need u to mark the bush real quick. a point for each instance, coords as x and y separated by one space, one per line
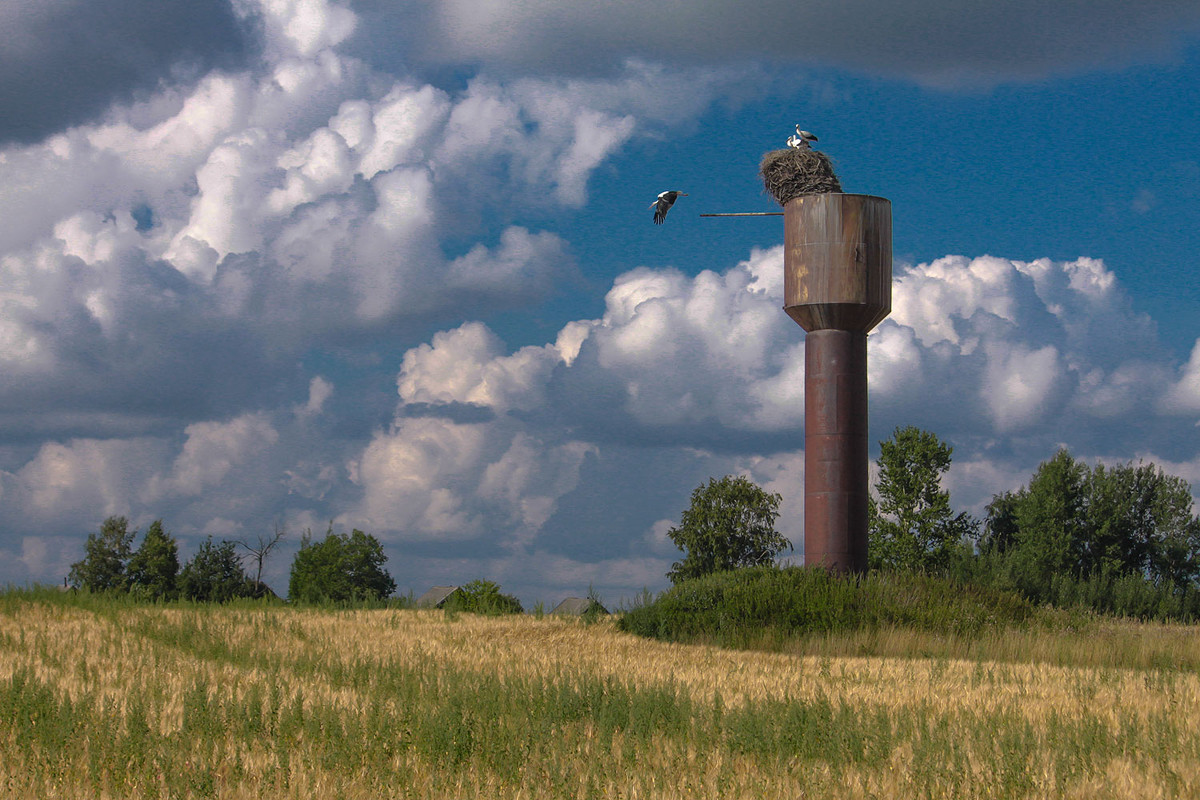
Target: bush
483 597
761 605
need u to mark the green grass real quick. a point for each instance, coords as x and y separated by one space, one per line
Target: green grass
103 697
767 606
461 720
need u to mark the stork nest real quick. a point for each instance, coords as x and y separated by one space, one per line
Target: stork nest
793 171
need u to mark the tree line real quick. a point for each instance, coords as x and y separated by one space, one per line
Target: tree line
337 568
1116 539
1119 539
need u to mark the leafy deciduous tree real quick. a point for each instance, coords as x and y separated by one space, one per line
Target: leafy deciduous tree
1140 520
1082 522
340 568
730 524
912 526
1050 518
999 531
107 554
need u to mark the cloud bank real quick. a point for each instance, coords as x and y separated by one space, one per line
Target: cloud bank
182 255
551 463
64 62
205 294
937 42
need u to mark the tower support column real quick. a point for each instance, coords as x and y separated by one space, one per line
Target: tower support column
835 449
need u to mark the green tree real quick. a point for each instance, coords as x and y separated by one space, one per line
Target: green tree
106 555
214 574
1051 522
154 568
483 597
1140 521
1177 556
730 524
340 568
912 526
1000 526
1103 523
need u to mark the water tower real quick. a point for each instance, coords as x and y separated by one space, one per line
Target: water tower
837 286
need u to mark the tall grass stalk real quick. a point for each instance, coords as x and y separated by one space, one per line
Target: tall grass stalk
108 699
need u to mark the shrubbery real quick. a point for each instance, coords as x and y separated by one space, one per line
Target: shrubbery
755 606
483 597
1107 591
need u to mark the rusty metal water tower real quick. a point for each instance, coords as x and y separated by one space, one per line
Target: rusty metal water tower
837 286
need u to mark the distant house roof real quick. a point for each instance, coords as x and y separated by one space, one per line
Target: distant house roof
436 596
577 606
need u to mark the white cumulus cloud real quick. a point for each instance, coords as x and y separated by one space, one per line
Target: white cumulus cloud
1184 394
210 234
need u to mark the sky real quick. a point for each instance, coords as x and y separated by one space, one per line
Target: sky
391 266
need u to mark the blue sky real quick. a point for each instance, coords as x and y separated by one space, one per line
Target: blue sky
393 266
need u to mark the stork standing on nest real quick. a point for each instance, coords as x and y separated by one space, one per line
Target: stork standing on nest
801 139
663 204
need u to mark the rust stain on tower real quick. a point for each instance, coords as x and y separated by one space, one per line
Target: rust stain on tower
837 286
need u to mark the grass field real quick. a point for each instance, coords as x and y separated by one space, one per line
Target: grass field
108 699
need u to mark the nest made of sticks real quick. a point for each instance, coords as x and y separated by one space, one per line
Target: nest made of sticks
794 171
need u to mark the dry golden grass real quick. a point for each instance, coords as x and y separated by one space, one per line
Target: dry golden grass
276 702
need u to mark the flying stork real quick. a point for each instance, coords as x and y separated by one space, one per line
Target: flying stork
663 204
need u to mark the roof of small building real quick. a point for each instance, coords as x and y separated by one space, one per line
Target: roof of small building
577 606
436 596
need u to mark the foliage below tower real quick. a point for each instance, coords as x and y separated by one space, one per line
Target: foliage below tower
730 524
912 526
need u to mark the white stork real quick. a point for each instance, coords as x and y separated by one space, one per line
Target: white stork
801 139
663 204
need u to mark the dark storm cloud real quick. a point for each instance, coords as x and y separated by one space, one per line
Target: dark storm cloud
939 42
63 62
164 354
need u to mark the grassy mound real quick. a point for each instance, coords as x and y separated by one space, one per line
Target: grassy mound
765 605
